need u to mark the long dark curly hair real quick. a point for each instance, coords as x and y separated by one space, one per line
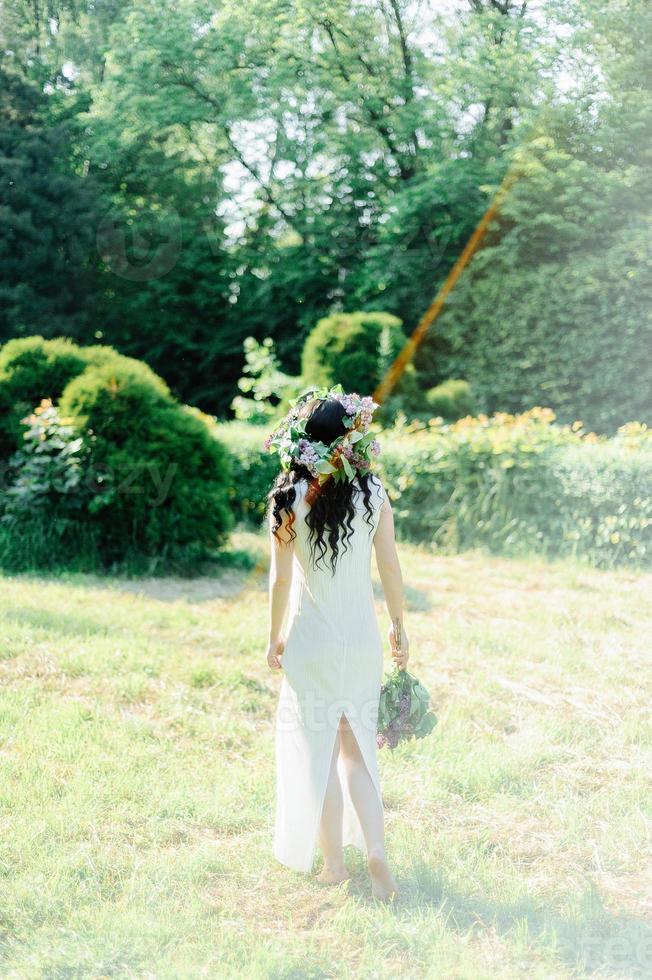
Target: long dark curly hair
331 512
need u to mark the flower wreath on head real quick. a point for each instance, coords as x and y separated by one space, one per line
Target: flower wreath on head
347 455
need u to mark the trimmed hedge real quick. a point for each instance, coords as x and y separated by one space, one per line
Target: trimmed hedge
32 368
514 485
352 349
154 480
590 501
165 477
451 400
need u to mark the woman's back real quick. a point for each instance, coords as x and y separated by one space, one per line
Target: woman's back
349 582
332 663
352 556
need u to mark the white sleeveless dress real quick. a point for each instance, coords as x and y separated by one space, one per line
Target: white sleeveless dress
332 664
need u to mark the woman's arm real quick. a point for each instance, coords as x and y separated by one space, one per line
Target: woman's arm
280 580
389 569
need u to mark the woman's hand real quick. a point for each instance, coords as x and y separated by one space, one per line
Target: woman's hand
274 653
400 654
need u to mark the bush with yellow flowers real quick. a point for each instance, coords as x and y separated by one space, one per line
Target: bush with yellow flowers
522 484
513 484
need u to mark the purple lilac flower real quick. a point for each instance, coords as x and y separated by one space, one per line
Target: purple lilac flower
359 409
349 402
308 455
366 409
392 739
359 461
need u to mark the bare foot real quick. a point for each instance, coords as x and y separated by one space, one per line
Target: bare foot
383 882
333 875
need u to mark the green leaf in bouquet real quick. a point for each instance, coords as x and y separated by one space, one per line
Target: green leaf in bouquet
420 691
383 714
348 469
416 709
417 721
426 725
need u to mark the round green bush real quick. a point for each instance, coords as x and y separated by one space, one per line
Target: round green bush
160 478
452 400
352 349
32 368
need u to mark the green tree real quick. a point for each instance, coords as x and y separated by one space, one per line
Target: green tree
263 165
347 144
48 215
556 309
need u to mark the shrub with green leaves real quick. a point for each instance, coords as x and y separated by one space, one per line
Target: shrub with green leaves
161 476
264 385
32 368
522 484
118 473
515 485
43 517
351 349
47 472
451 400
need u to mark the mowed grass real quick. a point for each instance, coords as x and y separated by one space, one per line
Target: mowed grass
137 783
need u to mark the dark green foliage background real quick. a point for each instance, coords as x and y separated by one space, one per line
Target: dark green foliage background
173 182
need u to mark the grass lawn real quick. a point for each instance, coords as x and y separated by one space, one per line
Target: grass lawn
137 782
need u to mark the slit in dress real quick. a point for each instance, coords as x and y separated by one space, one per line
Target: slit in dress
330 761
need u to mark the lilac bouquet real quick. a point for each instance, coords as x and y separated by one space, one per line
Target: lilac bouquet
403 710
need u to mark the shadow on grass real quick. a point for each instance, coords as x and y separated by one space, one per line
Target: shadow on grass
223 580
416 600
596 941
58 623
